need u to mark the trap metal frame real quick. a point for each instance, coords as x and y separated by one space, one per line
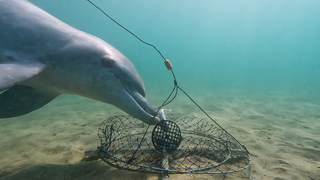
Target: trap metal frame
204 148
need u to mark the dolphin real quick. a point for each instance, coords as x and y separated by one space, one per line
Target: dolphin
41 57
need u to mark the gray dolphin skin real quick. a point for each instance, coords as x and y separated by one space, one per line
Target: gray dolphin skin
41 57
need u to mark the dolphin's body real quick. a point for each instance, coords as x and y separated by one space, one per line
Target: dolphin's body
41 57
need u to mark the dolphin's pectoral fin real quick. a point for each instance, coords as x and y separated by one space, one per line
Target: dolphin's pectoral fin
20 100
11 73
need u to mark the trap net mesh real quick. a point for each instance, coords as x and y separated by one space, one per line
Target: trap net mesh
196 146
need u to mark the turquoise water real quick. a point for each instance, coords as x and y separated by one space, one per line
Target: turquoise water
253 65
215 45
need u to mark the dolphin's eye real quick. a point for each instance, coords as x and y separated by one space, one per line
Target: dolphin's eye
107 61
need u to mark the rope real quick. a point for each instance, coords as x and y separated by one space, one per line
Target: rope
127 29
176 87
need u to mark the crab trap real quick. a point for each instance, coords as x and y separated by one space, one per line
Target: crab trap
178 144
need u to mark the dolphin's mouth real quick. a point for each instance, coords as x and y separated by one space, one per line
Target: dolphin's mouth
143 103
146 108
133 101
139 108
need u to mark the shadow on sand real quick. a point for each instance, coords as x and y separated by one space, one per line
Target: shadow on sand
93 170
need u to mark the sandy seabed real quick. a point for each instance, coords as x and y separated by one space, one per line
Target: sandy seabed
281 131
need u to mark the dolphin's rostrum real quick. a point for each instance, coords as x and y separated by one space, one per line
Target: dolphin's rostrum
41 57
